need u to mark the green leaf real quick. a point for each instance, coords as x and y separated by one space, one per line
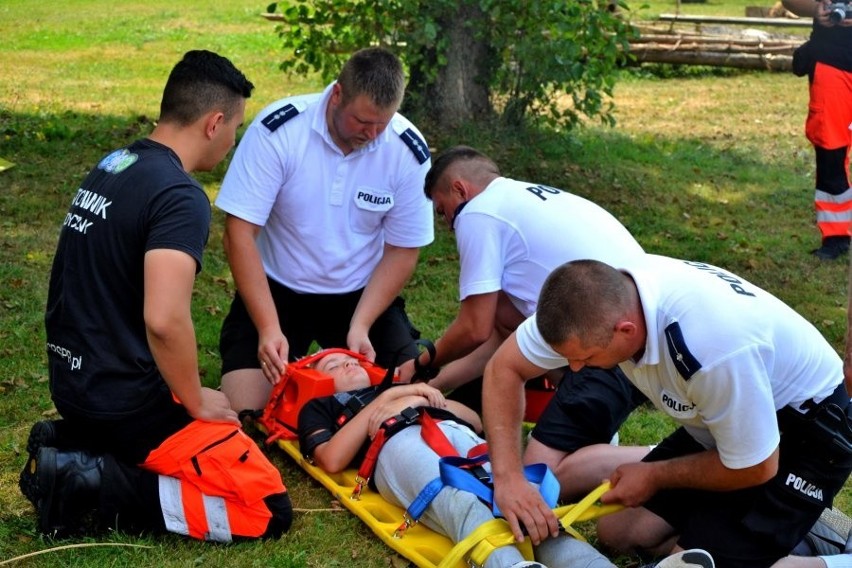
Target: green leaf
538 50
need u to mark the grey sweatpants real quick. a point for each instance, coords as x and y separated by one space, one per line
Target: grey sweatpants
406 464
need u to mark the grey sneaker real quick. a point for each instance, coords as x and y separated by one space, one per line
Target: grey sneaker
692 558
830 535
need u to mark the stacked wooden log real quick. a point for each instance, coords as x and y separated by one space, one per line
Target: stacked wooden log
743 53
744 49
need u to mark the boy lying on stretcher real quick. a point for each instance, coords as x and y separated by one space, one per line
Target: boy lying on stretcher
406 463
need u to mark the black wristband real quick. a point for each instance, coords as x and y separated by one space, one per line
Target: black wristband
427 371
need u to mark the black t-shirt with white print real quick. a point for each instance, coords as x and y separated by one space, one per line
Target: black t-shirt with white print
137 199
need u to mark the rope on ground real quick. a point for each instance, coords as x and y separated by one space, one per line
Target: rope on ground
69 546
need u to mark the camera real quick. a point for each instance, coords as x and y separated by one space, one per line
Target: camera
838 11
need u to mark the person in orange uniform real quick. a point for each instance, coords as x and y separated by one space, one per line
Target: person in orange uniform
826 58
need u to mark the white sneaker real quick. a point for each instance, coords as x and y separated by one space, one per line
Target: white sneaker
693 558
528 564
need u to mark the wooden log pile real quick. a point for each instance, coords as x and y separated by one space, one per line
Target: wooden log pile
743 53
719 46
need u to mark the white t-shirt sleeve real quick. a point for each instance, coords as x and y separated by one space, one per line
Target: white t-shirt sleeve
254 177
481 255
734 399
410 221
534 348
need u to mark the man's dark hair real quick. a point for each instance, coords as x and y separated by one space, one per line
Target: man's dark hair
455 155
583 299
201 82
376 73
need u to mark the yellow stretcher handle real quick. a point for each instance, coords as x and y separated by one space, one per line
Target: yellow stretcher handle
494 534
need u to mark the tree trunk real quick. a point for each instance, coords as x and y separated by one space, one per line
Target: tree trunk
459 91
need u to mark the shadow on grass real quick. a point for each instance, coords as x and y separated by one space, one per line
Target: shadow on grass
680 196
685 197
667 184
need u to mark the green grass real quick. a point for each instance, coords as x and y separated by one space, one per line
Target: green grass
704 165
727 8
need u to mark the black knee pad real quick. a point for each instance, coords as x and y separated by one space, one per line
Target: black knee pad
282 515
831 170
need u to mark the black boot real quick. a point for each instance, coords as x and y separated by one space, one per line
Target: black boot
282 515
68 485
832 248
42 433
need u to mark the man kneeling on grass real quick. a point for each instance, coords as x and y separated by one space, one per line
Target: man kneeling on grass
142 445
407 463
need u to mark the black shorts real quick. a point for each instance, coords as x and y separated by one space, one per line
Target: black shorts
470 393
754 527
130 439
320 318
588 408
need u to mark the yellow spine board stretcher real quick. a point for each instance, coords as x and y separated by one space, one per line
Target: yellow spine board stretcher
419 544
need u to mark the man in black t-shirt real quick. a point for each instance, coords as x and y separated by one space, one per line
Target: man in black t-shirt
121 344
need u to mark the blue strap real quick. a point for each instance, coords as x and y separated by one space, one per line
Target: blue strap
456 472
273 120
415 510
548 485
541 476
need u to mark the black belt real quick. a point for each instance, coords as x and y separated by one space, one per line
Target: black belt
828 420
839 397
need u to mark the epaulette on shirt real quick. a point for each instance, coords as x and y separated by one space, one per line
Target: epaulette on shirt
414 142
685 362
278 117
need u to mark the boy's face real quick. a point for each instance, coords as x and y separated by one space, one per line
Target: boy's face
347 372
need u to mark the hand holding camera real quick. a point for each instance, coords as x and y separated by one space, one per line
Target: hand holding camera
839 11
